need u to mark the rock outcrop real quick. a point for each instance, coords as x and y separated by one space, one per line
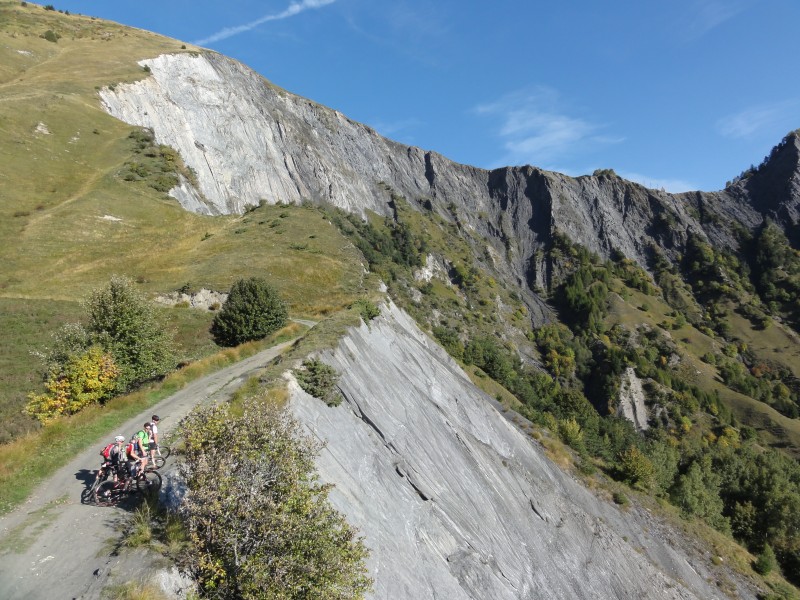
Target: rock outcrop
251 142
631 400
456 502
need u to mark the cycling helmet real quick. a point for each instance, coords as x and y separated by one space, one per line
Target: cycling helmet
119 438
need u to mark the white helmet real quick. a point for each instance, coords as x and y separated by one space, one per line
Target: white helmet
119 438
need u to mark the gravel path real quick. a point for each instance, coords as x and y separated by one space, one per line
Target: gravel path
55 547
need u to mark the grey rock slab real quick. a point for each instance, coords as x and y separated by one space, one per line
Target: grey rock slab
454 501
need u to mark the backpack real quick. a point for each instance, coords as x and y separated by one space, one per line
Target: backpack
106 452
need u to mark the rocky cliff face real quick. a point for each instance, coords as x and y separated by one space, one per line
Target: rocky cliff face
251 142
631 403
773 188
455 501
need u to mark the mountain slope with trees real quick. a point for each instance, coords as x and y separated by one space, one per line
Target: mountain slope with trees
551 290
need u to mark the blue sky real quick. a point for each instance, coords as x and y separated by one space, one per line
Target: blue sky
682 95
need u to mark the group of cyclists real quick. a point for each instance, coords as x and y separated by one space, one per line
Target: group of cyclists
132 457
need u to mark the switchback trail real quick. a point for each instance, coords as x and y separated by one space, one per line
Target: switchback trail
55 547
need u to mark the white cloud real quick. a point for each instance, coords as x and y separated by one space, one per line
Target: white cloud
754 120
293 9
710 14
536 132
673 186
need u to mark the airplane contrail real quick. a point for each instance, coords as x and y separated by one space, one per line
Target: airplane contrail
293 9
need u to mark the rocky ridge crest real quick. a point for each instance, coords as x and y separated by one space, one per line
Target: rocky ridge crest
251 142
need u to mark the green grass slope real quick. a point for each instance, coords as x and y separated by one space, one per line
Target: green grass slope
69 219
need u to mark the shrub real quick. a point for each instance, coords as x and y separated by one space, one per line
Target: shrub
571 433
85 378
259 521
696 493
319 380
51 36
636 468
450 341
125 323
766 561
621 499
252 311
366 309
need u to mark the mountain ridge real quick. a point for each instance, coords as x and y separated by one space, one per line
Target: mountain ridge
294 150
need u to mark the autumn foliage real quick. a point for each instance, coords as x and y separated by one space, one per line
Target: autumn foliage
84 379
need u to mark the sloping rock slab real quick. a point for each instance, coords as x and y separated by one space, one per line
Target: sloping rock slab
455 502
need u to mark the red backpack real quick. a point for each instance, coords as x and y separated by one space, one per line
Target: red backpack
130 448
106 452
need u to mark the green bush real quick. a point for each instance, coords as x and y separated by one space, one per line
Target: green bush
766 562
252 311
51 36
571 433
124 322
621 499
319 380
450 341
259 521
636 468
366 309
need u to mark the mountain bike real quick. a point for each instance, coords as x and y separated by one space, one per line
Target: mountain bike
109 492
87 496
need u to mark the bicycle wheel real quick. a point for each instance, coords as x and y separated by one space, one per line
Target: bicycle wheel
162 452
108 493
149 482
87 495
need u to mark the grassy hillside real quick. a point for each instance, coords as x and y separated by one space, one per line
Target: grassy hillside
69 219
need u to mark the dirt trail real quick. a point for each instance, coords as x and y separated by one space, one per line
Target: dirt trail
55 547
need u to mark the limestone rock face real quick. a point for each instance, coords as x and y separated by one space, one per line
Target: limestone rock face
251 142
631 400
456 502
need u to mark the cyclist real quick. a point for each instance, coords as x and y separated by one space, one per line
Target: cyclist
135 455
154 437
112 457
144 438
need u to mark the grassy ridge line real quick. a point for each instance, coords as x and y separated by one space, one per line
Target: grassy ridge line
26 462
